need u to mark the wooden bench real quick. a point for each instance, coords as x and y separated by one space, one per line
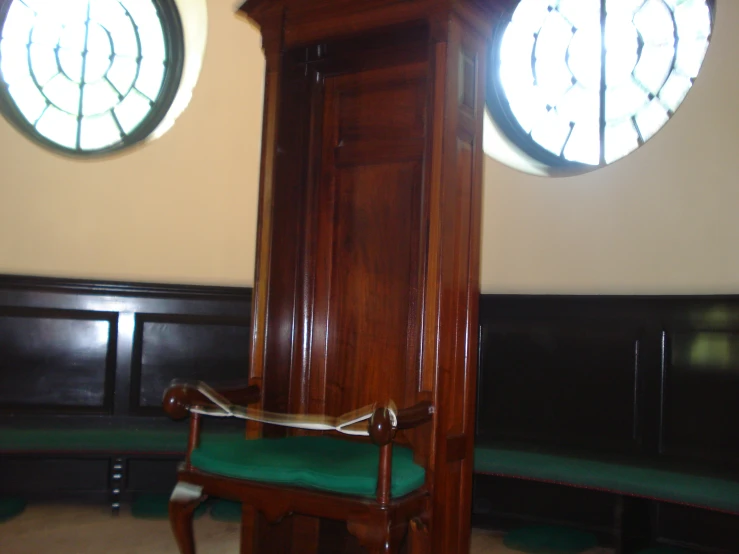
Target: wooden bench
95 464
718 493
83 366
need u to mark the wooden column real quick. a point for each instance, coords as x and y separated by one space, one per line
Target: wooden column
460 39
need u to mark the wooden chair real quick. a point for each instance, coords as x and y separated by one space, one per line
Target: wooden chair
338 473
366 284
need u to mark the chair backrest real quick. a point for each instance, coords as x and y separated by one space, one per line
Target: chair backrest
367 282
346 283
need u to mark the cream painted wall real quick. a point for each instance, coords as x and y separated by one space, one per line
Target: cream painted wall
663 220
181 208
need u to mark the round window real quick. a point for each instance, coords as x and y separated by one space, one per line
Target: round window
578 84
89 76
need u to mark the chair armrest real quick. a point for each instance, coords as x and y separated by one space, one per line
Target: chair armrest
382 430
180 396
408 418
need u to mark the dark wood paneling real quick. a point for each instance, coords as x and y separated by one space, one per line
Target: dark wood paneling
560 384
650 379
73 354
68 347
62 476
178 347
549 365
57 361
700 391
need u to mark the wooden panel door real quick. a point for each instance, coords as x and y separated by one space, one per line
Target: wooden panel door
367 279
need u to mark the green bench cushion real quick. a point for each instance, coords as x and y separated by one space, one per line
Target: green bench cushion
698 490
316 462
74 440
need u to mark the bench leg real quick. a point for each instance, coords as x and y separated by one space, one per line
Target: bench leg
633 524
117 471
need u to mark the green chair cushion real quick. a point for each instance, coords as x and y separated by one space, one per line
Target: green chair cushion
75 440
671 486
316 462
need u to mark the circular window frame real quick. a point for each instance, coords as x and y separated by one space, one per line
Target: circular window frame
504 118
174 37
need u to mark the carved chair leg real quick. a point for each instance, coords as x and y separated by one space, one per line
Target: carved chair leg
418 537
249 529
180 518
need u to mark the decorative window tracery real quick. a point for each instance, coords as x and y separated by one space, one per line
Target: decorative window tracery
586 82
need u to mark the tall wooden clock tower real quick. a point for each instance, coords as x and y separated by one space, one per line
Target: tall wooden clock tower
367 274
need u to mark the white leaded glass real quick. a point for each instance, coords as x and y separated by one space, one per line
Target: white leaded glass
620 140
86 74
588 81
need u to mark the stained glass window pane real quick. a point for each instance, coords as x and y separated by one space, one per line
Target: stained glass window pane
583 59
18 23
690 55
14 62
100 97
150 78
584 144
66 12
70 62
131 110
552 74
46 30
552 132
59 127
580 105
620 140
516 56
99 53
96 69
623 8
44 64
112 17
122 73
71 37
529 107
624 101
650 119
622 50
530 14
675 90
581 14
99 131
654 67
29 99
63 93
693 19
654 23
150 30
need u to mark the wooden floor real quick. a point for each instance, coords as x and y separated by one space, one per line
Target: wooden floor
61 529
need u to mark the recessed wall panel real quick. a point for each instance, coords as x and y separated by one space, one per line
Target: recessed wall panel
56 360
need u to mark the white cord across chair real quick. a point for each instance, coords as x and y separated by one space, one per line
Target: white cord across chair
342 424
